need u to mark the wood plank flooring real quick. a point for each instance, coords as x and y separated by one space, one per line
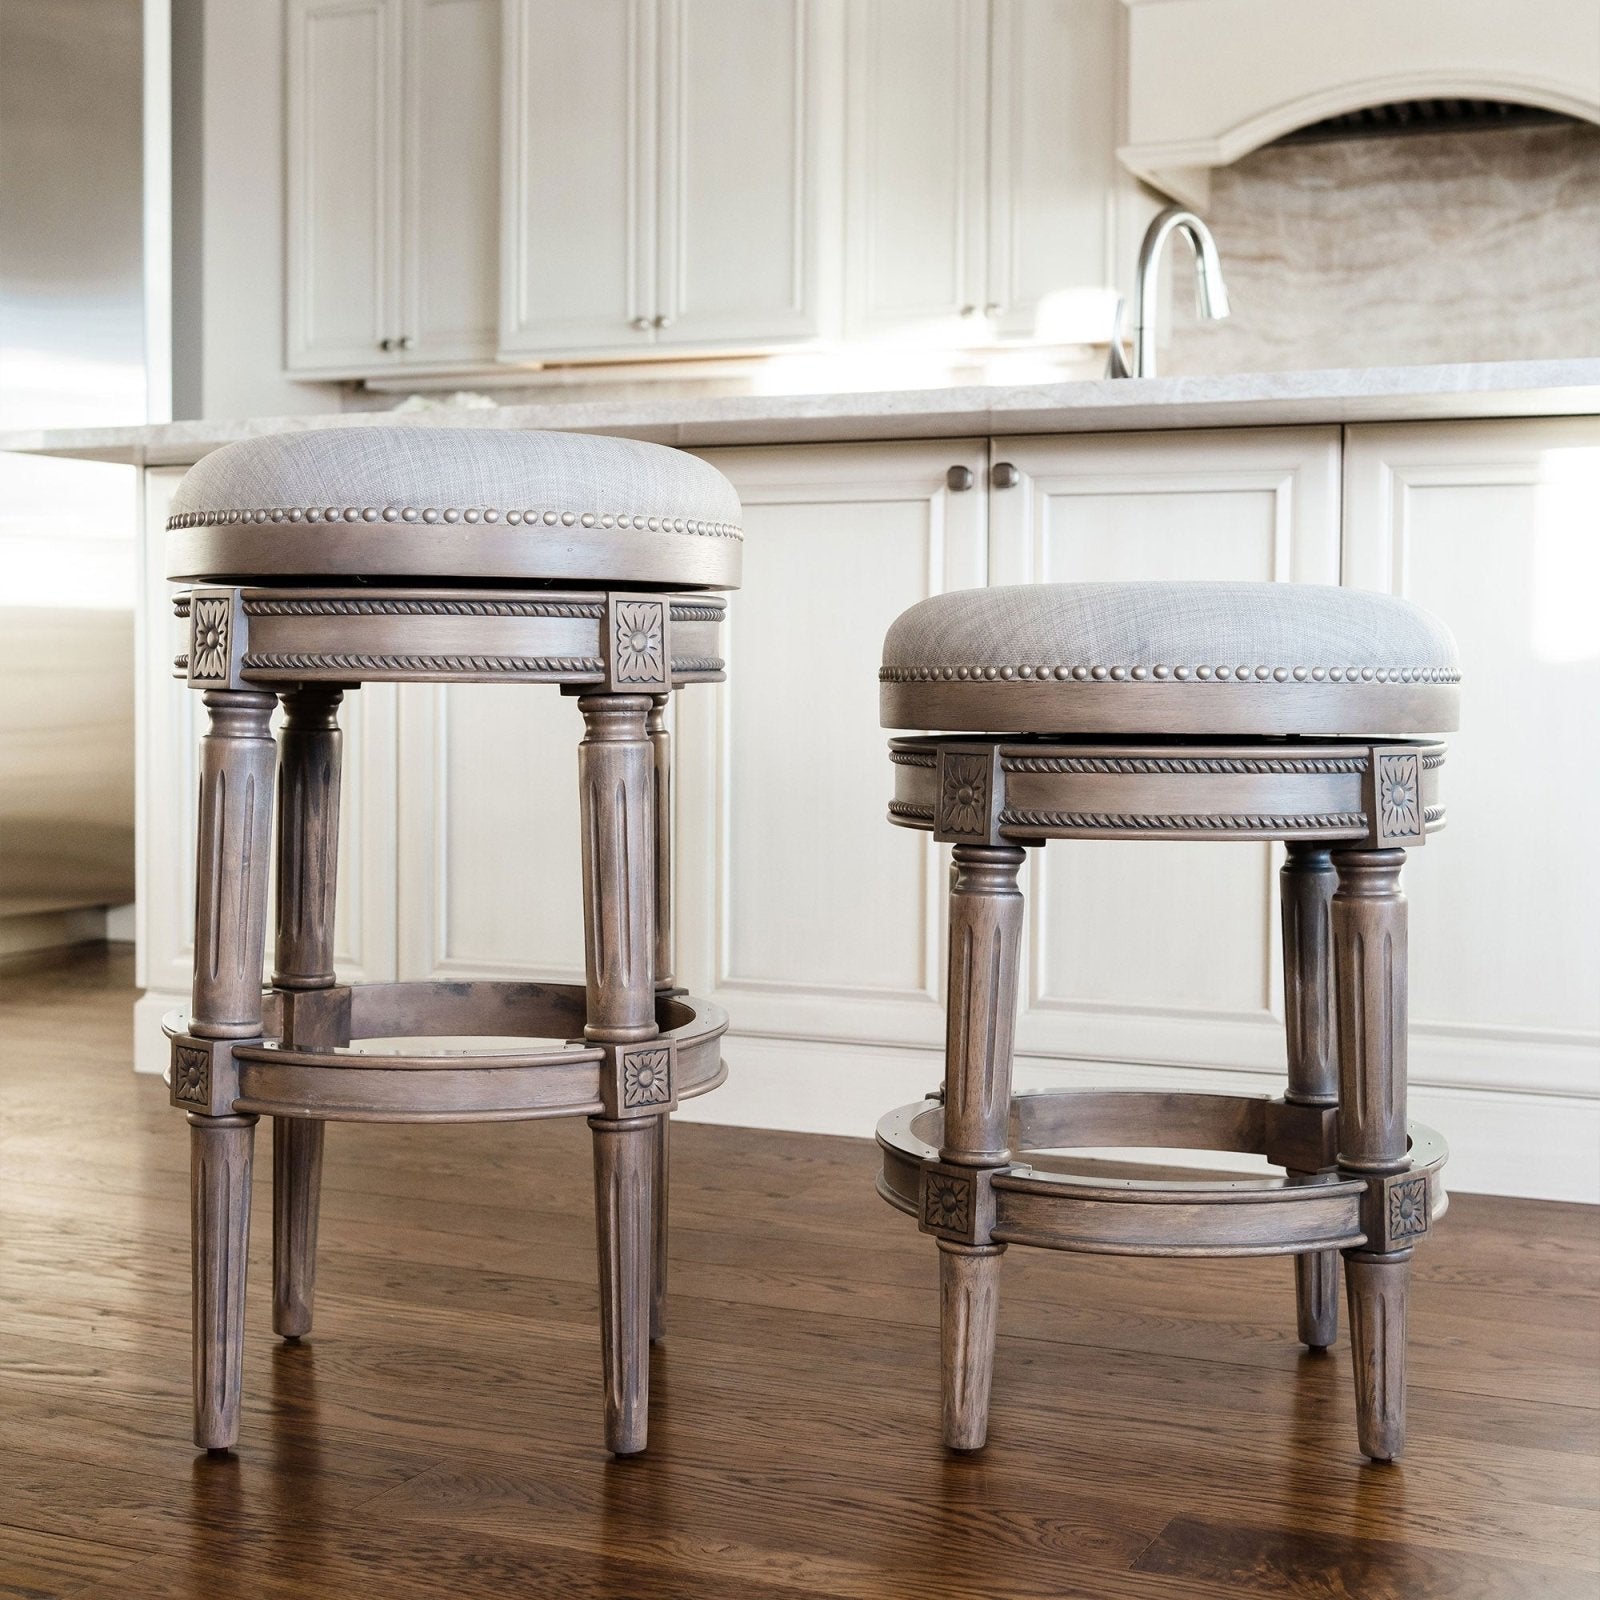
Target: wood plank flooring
1158 1435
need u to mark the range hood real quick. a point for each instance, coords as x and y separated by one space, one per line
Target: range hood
1210 80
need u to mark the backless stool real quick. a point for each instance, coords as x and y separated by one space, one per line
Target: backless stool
1177 711
325 560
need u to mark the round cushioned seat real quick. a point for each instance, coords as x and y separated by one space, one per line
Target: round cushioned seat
414 504
1169 658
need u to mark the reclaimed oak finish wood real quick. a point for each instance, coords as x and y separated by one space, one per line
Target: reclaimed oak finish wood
1156 1431
1369 931
985 936
309 757
665 963
235 839
616 780
1307 882
1358 1178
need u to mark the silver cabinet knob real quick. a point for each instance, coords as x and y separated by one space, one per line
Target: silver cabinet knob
663 322
404 342
1003 475
958 478
641 324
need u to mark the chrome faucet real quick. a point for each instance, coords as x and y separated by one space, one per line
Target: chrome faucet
1211 294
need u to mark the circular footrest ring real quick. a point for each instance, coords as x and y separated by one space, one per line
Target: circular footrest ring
1021 1203
287 1076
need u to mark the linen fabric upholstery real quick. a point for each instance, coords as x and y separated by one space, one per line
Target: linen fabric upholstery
1169 658
402 504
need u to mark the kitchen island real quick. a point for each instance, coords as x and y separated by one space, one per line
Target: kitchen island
1468 488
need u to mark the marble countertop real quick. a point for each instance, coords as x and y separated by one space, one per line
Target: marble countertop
1371 394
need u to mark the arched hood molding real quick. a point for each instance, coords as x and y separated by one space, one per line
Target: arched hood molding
1206 78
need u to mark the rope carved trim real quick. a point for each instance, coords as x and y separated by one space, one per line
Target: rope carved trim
1186 822
288 662
1162 673
913 758
1190 764
912 813
453 515
422 608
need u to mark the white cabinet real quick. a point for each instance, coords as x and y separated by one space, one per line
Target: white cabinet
393 151
980 172
666 173
1492 525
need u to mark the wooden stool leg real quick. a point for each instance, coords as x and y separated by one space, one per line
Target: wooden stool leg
985 931
309 751
1307 885
616 782
660 1168
1369 931
235 841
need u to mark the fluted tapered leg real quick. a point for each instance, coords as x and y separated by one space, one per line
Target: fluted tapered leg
985 930
617 787
1307 885
660 1181
1369 928
309 749
661 760
235 841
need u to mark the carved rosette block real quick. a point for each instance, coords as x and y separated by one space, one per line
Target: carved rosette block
971 790
1397 1211
1394 800
638 1079
638 649
957 1203
217 639
204 1077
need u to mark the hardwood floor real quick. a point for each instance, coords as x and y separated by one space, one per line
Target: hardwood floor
1157 1431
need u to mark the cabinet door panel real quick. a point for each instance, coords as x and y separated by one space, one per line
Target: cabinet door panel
1492 525
1162 952
343 183
1053 81
452 131
740 158
916 105
800 908
490 882
579 175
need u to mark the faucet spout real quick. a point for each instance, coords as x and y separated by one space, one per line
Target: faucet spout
1211 293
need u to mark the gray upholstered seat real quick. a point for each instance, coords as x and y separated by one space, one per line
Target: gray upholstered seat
408 504
1169 658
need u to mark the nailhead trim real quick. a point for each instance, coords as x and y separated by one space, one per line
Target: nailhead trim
1163 673
453 515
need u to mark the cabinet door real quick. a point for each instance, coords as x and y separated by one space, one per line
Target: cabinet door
452 182
1492 526
344 77
489 878
1162 953
915 151
800 908
744 154
1054 73
579 175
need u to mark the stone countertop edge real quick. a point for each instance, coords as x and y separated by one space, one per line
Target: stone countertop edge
1459 391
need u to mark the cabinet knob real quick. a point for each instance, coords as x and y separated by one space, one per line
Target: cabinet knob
993 309
386 344
969 311
404 342
663 322
641 324
1003 475
958 478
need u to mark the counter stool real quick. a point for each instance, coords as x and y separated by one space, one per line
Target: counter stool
1177 711
325 560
